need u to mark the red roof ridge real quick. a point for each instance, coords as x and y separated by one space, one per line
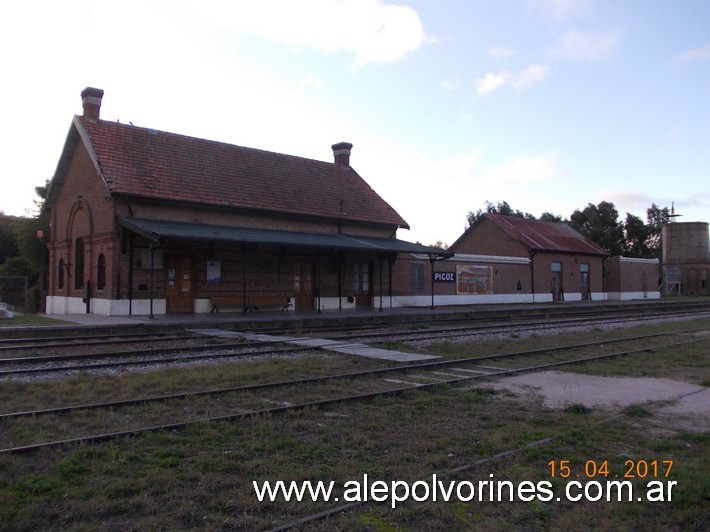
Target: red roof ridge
546 235
144 162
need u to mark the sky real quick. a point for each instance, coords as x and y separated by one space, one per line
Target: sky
548 105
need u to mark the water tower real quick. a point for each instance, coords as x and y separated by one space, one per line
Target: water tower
686 258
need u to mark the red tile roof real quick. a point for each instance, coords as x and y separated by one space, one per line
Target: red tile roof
537 235
153 164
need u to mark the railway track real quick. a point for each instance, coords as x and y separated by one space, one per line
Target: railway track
228 434
30 342
173 411
158 356
640 311
522 325
53 355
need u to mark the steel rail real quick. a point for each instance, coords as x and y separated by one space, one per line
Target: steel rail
520 326
324 402
209 345
152 361
71 341
149 337
467 314
489 329
81 328
346 375
477 329
116 354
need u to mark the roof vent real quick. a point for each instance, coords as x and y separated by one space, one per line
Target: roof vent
91 102
341 152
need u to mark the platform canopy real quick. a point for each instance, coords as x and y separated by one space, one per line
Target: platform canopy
162 231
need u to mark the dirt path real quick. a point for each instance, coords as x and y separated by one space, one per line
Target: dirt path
685 406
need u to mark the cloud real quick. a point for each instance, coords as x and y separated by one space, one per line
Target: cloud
627 200
375 32
417 183
637 202
491 82
500 52
458 166
527 77
523 170
585 46
560 9
694 55
531 75
450 84
309 82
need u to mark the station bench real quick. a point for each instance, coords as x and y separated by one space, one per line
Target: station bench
253 304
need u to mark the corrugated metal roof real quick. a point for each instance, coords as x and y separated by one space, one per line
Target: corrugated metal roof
162 230
546 236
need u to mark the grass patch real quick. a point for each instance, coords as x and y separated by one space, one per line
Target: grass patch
201 477
18 395
637 411
578 409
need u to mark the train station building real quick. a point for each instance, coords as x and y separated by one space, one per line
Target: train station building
144 222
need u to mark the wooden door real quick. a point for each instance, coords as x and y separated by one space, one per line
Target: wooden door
556 286
556 282
584 286
362 284
303 285
179 284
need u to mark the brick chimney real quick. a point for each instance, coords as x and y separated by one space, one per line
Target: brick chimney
341 152
91 102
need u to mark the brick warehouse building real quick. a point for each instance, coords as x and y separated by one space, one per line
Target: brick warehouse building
144 221
506 259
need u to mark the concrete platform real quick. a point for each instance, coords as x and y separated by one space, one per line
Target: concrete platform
338 346
290 318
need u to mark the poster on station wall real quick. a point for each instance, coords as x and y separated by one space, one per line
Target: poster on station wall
474 279
214 271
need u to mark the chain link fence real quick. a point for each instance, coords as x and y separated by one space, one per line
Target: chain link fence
14 291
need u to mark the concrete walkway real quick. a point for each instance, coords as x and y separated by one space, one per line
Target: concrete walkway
348 348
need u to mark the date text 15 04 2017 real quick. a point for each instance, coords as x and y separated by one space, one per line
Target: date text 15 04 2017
600 468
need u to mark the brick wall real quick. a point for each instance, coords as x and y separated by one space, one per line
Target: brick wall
628 275
83 210
571 275
489 239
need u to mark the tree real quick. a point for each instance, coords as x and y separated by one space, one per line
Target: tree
635 237
549 217
439 244
600 224
656 218
8 244
16 266
24 246
501 208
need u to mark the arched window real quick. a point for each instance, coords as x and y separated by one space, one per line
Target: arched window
101 273
79 264
60 275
